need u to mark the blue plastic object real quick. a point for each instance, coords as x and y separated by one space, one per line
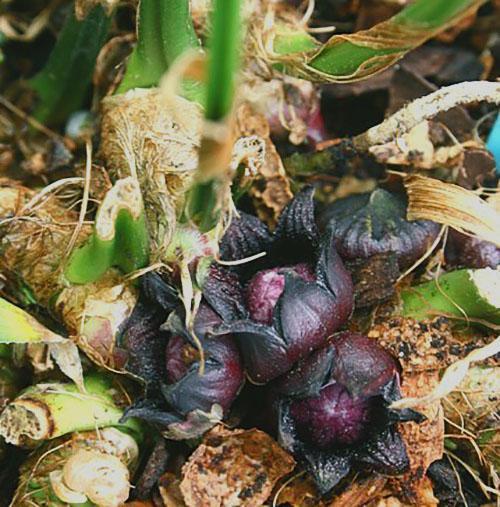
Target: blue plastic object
493 142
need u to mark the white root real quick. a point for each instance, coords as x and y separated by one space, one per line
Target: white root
425 108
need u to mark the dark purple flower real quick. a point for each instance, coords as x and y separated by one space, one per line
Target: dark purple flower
281 307
364 225
333 410
471 252
187 390
181 400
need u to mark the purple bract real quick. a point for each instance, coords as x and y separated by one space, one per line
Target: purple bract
182 402
375 223
281 307
333 410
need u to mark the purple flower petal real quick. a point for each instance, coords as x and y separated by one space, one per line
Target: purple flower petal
245 236
265 288
332 274
332 418
471 252
308 376
156 289
296 236
223 292
326 467
306 315
361 365
145 342
264 351
152 412
373 223
220 383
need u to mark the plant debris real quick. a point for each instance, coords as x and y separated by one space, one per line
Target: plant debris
236 468
247 261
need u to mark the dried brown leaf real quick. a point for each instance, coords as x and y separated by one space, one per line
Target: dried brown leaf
423 349
426 498
448 204
234 468
271 189
361 492
170 492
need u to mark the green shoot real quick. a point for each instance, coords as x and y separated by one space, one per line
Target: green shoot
120 236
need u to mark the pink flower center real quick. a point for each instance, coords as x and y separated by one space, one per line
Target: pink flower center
265 288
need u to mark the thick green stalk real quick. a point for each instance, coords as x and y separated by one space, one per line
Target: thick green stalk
164 31
202 207
351 57
462 294
47 411
120 236
62 85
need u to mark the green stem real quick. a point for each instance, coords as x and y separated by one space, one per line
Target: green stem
47 411
224 57
164 31
461 294
203 202
62 85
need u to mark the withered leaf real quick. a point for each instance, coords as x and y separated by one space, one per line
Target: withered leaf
271 189
234 469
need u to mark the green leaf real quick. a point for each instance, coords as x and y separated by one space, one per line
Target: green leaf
47 411
62 85
458 294
356 56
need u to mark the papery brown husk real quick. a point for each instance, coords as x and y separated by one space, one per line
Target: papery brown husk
271 190
33 243
95 313
155 139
